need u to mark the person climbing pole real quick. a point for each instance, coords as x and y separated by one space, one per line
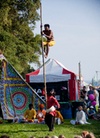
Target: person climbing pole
47 32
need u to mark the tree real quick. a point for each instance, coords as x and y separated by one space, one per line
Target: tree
17 40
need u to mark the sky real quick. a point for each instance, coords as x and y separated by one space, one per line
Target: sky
76 28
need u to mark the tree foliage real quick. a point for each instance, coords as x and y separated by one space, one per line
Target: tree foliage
17 40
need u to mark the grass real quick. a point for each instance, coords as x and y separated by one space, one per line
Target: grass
39 130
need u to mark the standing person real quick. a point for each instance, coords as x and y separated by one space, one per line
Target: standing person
89 93
52 104
96 94
83 93
90 90
47 32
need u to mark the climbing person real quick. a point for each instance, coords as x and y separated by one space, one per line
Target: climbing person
47 32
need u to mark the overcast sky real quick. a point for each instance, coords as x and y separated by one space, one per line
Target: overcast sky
76 28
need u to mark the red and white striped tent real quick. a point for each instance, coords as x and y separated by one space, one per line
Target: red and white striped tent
55 72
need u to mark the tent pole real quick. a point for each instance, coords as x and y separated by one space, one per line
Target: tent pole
44 68
79 76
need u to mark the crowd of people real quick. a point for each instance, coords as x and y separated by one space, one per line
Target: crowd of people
91 101
90 108
83 134
90 96
49 115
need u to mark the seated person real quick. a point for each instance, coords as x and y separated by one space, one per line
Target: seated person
61 136
30 114
84 133
97 116
4 136
59 116
80 117
85 110
90 135
91 112
41 114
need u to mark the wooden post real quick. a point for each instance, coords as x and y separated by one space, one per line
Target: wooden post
44 68
79 76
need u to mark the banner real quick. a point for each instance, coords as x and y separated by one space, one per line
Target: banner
15 93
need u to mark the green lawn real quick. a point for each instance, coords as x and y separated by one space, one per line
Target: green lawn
37 130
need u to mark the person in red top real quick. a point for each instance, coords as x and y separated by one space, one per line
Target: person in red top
52 105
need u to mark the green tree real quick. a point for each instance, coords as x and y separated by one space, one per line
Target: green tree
17 40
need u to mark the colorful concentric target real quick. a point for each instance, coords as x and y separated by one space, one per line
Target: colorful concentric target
18 99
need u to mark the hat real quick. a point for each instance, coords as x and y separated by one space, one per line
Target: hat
41 105
91 107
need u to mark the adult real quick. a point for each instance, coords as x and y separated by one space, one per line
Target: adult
99 95
80 117
96 94
91 91
84 133
97 116
47 32
83 93
90 135
52 104
30 114
61 136
91 112
59 117
4 136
